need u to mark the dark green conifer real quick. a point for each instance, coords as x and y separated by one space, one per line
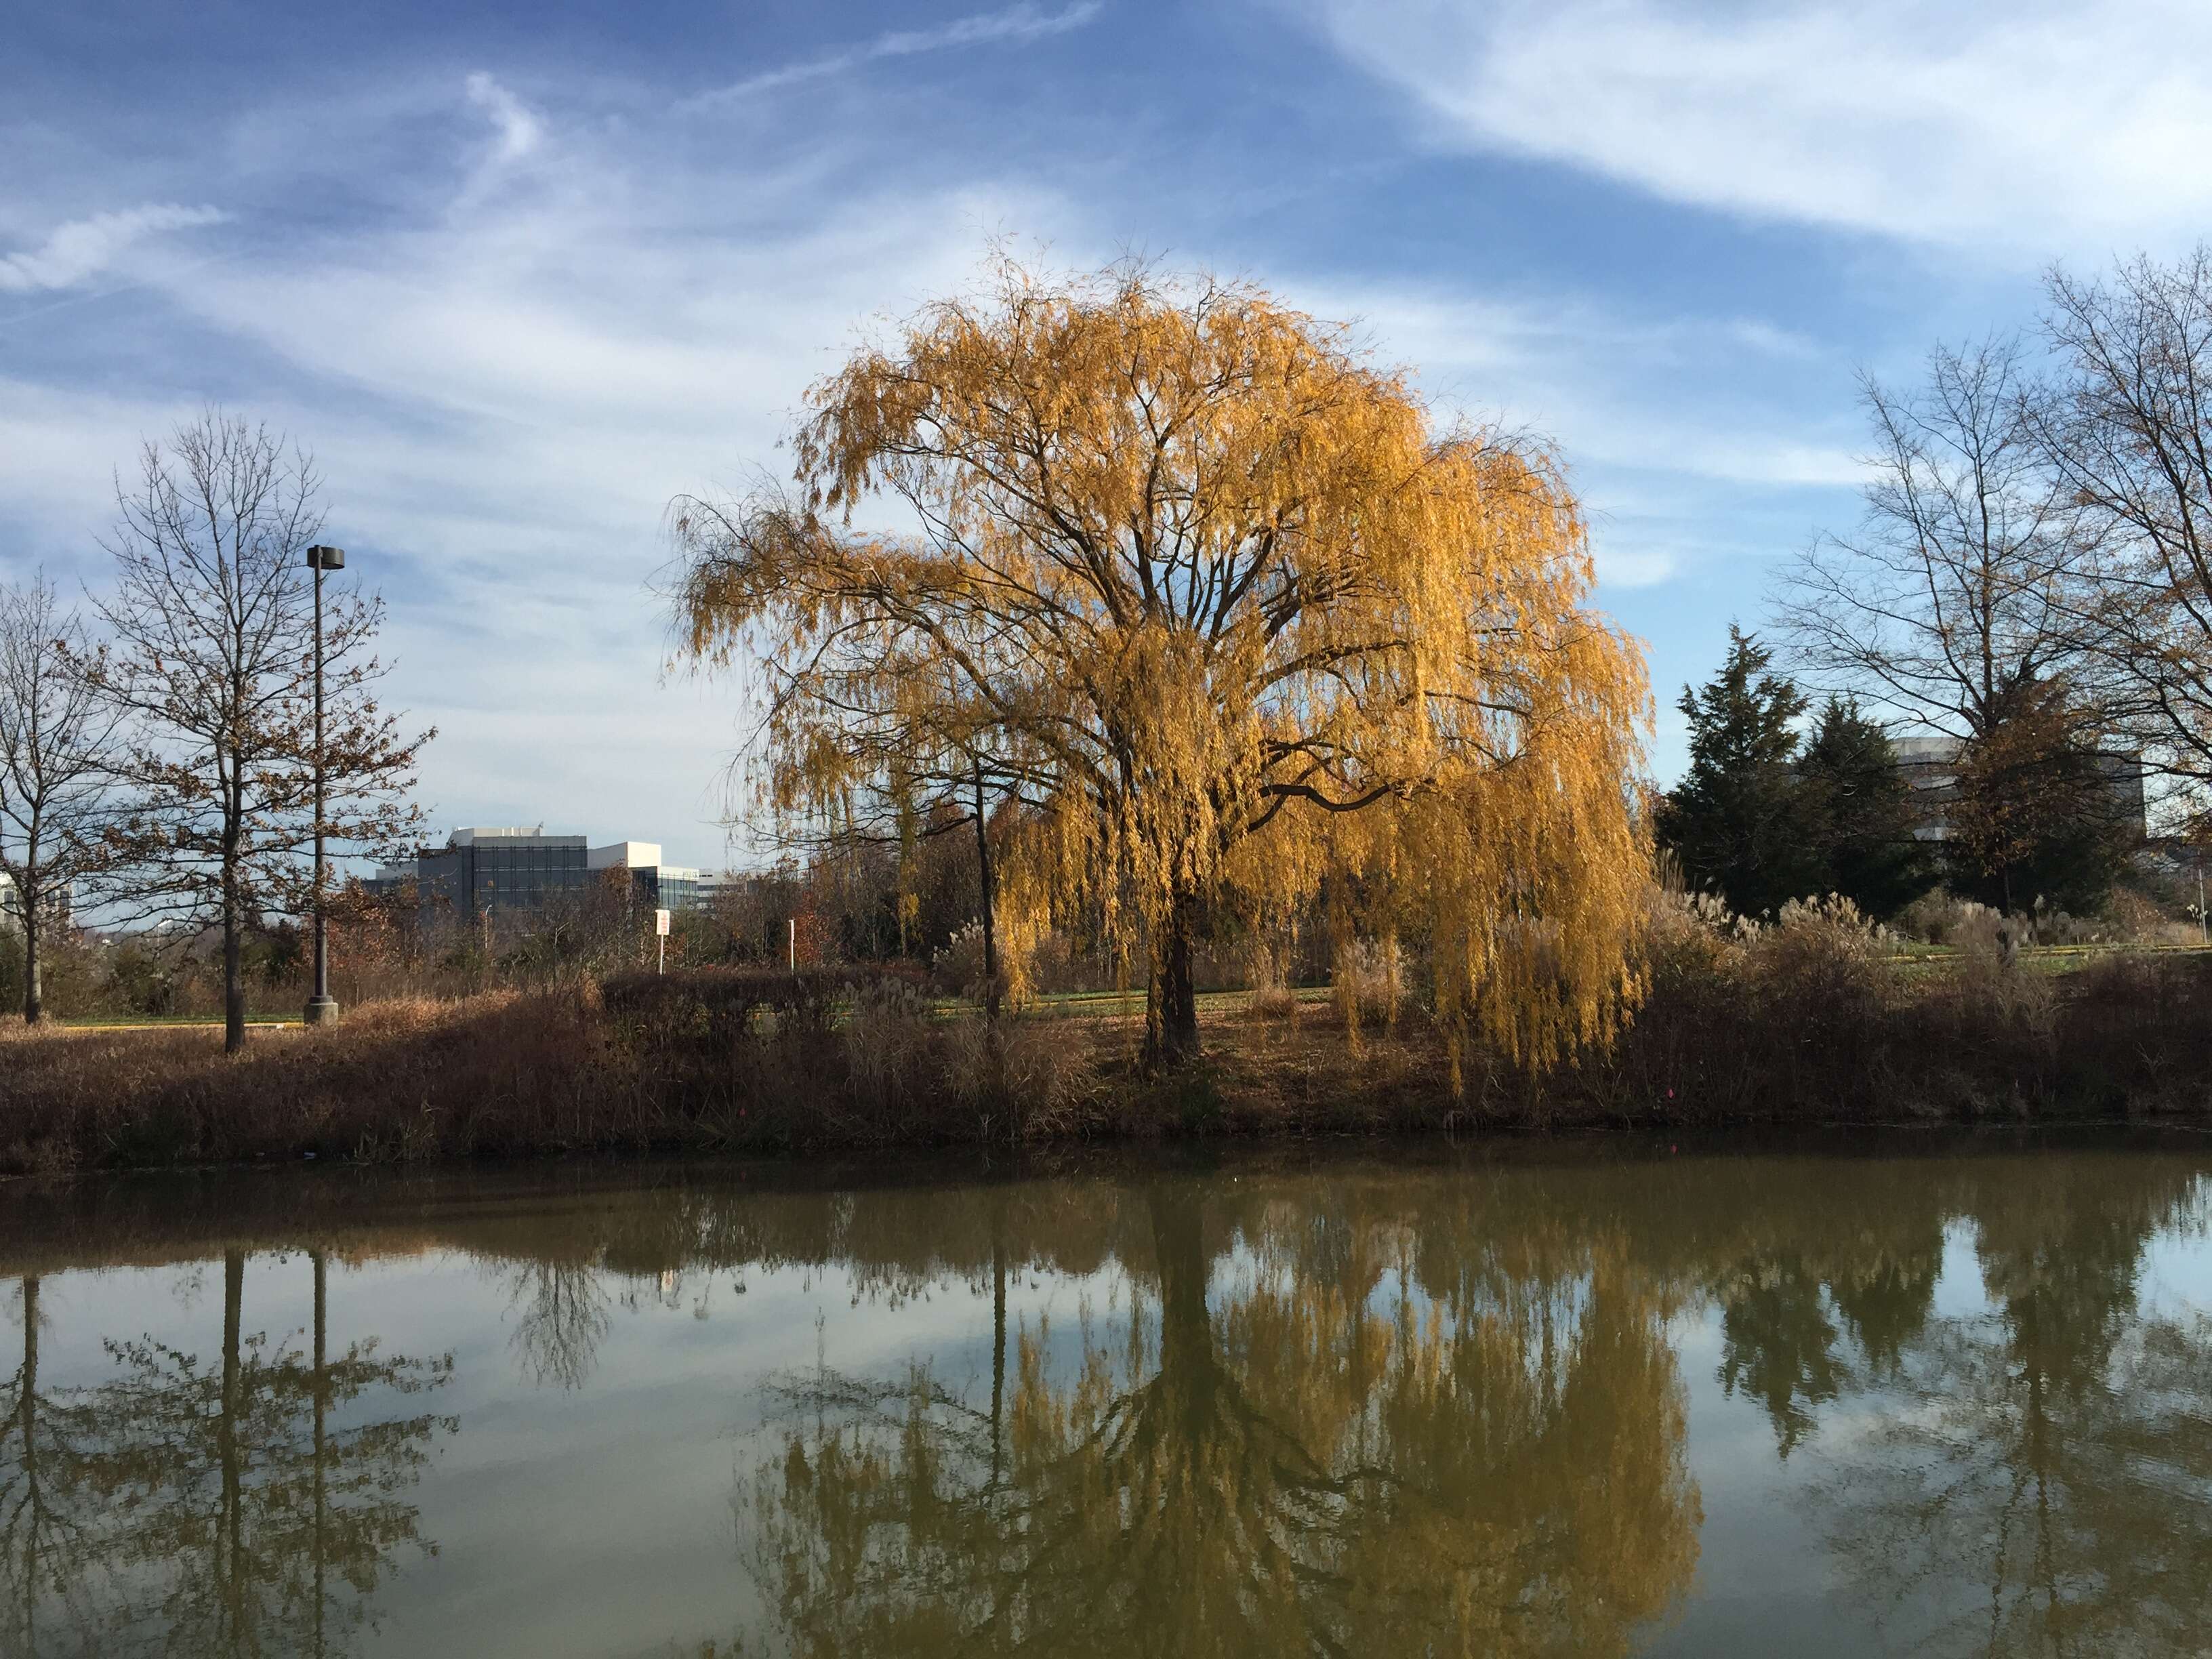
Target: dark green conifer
1737 821
1863 813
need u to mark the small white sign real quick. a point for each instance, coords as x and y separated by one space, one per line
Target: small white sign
660 923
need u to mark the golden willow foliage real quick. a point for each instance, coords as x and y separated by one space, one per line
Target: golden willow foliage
1317 1453
1196 584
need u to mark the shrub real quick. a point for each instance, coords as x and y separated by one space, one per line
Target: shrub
1987 990
711 1009
2138 919
886 1040
1058 964
1024 1076
1938 917
957 969
1805 1018
1369 984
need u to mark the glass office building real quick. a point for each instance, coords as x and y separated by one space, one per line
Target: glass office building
506 871
660 885
1930 764
494 870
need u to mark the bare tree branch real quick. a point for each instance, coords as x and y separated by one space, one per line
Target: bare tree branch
212 663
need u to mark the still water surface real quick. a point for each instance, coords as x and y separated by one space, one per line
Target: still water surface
1919 1397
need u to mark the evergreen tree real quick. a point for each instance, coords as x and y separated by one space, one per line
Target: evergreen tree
1737 821
1863 813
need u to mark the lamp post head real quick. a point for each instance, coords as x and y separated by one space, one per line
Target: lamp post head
326 558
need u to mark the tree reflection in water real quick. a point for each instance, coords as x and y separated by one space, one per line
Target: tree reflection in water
54 1462
1371 1407
1328 1457
2037 1480
561 1315
1816 1258
186 1507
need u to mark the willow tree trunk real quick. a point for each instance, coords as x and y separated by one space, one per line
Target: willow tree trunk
998 1333
983 880
1190 1363
1171 998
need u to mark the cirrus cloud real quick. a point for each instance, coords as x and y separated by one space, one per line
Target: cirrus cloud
1016 23
2004 125
85 248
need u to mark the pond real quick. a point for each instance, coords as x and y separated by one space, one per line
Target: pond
1924 1395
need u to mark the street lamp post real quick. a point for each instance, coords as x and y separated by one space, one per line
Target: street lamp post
322 1008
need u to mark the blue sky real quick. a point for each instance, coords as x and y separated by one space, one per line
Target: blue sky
520 274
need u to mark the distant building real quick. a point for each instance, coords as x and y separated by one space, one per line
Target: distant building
664 886
388 879
2176 858
502 870
60 902
1930 765
497 870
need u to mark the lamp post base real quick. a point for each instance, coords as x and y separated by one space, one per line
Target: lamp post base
322 1011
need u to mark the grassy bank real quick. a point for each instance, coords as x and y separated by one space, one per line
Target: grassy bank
1806 1023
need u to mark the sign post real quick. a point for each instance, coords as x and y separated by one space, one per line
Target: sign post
661 933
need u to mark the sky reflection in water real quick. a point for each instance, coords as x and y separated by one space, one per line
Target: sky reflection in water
1927 1399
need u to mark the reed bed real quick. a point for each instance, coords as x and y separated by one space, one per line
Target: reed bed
1806 1022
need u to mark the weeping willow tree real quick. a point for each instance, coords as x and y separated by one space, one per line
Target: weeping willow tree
1194 601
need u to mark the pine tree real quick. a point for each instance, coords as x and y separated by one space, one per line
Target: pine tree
1864 811
1737 822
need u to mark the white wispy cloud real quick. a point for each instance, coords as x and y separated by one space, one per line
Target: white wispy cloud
85 248
2032 127
1016 23
1610 385
502 401
519 131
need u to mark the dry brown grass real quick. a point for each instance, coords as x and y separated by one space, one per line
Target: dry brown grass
1271 1003
1804 1024
405 1077
509 1073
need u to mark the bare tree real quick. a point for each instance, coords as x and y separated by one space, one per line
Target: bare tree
1957 598
2131 445
214 643
58 756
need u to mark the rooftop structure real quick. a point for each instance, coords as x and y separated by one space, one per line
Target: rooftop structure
664 886
470 837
